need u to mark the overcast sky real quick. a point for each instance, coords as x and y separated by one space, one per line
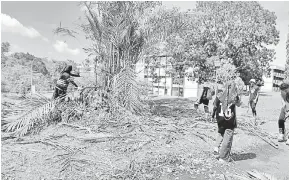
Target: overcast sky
28 27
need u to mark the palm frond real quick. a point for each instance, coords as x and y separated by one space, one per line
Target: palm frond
23 117
127 91
64 32
254 174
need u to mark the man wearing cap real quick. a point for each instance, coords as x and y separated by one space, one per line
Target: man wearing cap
253 97
284 114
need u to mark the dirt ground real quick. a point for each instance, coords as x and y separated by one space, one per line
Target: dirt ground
173 143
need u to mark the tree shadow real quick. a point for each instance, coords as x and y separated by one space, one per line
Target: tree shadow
264 94
243 156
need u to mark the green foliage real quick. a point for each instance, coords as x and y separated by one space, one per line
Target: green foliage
216 31
5 48
16 78
241 31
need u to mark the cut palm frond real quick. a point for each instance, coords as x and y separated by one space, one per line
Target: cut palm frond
23 117
254 174
32 110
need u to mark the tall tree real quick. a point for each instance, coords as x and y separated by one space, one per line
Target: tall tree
242 31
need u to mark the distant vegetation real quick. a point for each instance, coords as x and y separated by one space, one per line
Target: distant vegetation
16 71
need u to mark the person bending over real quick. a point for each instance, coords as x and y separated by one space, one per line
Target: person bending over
63 82
204 98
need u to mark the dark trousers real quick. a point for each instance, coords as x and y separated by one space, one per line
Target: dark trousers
205 102
225 140
284 114
59 92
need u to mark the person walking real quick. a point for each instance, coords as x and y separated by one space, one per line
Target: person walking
217 99
253 98
284 114
204 98
225 111
62 83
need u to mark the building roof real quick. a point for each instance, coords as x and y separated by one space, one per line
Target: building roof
278 67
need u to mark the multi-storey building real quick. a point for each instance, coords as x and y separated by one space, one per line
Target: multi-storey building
163 83
272 82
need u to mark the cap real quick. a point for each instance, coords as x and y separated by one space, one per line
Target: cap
253 80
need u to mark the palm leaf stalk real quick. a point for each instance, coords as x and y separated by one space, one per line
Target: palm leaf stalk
38 109
254 175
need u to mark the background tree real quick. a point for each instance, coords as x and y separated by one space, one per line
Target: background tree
241 31
5 48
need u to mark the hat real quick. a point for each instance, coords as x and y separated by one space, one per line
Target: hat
253 80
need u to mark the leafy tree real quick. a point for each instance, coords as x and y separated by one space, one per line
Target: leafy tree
241 31
5 48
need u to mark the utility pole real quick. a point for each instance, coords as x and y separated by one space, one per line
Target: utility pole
32 88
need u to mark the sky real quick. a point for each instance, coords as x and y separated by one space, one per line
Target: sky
28 27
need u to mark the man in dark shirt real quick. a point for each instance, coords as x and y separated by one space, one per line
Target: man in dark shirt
63 82
253 97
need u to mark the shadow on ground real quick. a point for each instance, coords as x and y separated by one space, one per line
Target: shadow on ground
173 107
243 156
264 94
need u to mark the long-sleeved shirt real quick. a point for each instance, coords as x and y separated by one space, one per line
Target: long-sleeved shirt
65 79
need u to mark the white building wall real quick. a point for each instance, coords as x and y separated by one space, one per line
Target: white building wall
190 88
268 84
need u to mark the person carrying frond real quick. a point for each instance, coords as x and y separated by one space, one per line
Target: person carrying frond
63 82
284 114
225 111
204 98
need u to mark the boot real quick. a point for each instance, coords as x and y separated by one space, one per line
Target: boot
281 135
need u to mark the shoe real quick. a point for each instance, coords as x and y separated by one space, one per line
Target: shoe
287 142
281 137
